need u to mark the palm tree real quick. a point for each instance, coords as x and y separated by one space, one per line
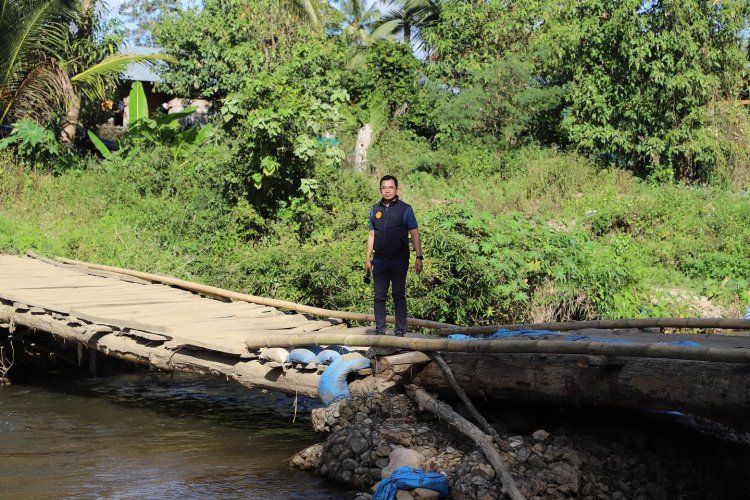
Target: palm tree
30 31
310 9
407 18
91 71
40 70
360 18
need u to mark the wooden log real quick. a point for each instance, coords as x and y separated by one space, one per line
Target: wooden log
607 324
400 362
397 366
227 294
715 390
444 412
653 350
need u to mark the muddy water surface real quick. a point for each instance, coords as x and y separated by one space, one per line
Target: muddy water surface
140 436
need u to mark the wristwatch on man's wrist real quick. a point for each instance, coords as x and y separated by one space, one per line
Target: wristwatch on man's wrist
419 257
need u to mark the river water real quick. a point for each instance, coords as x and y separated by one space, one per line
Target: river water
147 436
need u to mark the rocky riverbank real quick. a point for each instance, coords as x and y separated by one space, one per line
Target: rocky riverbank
367 438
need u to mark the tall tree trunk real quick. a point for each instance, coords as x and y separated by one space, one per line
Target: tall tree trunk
72 114
86 17
364 140
86 6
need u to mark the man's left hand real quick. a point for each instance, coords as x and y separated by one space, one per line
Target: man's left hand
418 265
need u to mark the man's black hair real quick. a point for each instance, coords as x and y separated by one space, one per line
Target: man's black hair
388 178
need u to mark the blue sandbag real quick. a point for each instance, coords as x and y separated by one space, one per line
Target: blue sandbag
326 357
300 355
332 385
304 354
406 478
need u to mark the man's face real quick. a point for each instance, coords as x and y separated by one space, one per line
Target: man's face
388 190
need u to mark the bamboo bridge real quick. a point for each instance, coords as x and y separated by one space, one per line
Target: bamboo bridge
173 325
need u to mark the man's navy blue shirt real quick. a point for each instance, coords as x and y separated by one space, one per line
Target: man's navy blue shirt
392 224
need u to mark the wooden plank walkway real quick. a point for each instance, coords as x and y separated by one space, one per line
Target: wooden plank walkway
181 318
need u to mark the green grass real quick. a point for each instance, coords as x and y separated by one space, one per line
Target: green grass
534 234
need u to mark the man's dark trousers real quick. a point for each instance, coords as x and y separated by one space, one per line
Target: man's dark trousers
393 273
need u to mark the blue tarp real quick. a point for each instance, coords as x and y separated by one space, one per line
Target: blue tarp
684 343
406 478
503 333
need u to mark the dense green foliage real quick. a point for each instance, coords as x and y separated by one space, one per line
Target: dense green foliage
634 84
642 75
575 160
560 241
277 81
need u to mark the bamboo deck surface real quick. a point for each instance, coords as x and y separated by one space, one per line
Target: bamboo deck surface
181 318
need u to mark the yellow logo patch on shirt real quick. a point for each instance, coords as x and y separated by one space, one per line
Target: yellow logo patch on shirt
378 215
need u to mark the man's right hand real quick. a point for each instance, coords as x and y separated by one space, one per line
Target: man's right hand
368 266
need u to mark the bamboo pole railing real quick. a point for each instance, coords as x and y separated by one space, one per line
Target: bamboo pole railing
605 324
643 350
228 294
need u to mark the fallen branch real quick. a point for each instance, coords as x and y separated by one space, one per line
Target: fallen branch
478 418
444 412
638 350
605 324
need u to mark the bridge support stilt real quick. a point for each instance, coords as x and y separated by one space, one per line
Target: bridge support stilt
92 354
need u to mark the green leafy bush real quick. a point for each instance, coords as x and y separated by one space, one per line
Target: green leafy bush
32 141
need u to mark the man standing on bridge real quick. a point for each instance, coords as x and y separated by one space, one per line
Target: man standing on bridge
391 223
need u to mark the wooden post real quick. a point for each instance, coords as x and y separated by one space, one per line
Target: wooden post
92 353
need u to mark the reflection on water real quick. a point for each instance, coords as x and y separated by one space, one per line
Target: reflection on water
136 436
